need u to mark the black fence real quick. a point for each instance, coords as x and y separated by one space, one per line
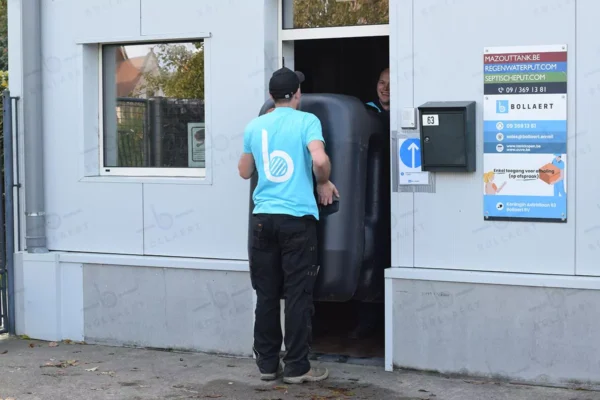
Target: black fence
154 132
7 237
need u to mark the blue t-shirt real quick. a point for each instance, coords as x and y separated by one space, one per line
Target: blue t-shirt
278 141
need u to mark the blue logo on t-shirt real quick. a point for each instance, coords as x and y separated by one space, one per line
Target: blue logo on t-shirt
279 143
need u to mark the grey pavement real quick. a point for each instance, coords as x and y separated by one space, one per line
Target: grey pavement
31 369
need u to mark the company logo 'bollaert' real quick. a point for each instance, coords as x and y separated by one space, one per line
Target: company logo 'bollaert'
532 106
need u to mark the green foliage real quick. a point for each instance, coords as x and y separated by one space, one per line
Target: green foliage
181 73
3 36
3 87
329 13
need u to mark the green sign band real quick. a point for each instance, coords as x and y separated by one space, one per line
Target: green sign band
526 78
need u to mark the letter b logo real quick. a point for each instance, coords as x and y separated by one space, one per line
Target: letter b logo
278 165
501 106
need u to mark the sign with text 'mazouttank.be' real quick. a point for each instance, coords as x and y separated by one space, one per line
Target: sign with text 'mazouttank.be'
525 133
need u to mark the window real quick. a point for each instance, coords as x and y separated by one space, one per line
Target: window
300 14
153 121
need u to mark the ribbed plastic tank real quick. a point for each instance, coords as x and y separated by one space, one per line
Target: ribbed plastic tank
377 252
347 128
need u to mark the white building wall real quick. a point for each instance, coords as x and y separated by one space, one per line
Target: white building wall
498 299
584 142
445 229
170 217
112 224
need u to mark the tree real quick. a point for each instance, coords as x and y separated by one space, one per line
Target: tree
181 71
3 36
329 13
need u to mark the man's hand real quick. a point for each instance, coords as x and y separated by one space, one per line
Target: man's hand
326 191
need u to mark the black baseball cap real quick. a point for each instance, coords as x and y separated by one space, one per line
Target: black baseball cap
284 83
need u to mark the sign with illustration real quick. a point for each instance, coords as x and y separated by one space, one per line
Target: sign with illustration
196 146
525 133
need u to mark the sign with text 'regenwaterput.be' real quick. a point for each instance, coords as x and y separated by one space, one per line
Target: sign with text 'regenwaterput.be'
409 165
525 133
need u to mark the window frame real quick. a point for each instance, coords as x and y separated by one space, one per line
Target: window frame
201 174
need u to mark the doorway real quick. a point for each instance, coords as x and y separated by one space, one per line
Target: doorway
348 66
344 331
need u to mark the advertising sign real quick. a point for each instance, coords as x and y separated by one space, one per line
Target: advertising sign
525 133
196 147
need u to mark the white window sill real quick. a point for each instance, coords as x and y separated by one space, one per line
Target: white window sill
147 179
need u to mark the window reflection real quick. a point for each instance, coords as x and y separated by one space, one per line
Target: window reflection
153 96
299 14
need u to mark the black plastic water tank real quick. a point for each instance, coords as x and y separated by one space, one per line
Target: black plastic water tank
377 252
348 128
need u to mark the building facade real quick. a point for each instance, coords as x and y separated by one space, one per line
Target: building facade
146 226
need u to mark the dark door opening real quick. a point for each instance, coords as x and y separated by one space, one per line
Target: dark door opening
350 330
344 66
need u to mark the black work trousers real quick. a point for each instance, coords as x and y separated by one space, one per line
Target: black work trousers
283 264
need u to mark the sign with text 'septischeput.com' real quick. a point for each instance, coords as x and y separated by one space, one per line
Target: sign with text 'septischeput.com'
525 133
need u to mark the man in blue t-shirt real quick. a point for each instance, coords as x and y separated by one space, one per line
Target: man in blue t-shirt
285 147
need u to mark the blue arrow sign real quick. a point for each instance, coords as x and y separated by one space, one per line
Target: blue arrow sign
410 153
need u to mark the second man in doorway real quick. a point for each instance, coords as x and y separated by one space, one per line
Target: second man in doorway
382 104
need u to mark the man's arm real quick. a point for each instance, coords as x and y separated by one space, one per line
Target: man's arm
321 163
313 139
246 165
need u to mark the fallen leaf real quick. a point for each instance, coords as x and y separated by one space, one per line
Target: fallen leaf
341 391
92 369
31 345
423 390
25 337
51 364
4 352
68 341
109 373
52 344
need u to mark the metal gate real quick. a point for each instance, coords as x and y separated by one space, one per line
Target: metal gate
7 236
